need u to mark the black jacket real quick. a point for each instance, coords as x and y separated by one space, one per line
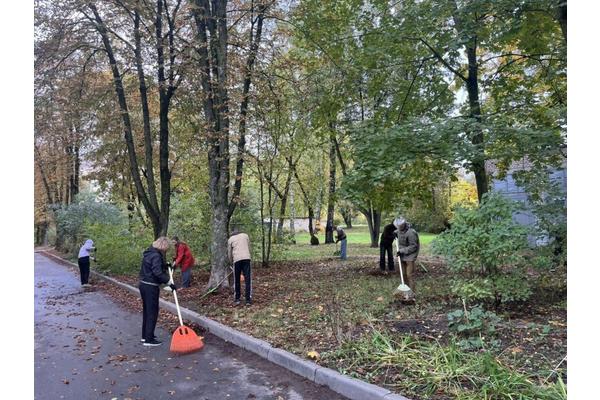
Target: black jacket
388 236
153 269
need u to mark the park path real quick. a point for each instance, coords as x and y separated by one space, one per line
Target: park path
88 347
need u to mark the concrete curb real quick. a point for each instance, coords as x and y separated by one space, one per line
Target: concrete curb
352 388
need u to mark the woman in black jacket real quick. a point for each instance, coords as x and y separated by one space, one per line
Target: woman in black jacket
152 274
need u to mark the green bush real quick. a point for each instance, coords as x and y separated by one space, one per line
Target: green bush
70 221
119 249
190 220
485 251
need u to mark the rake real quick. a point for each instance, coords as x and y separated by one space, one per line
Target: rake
184 339
402 290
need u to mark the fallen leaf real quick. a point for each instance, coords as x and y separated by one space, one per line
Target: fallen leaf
313 355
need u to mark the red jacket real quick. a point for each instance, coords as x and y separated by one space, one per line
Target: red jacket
183 256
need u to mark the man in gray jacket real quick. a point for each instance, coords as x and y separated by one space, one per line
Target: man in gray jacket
238 250
408 249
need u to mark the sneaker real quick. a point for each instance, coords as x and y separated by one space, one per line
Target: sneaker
152 342
248 302
143 340
236 302
86 285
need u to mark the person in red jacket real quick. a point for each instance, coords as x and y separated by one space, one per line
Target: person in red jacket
184 259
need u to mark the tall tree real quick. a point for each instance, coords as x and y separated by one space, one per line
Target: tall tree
212 48
168 77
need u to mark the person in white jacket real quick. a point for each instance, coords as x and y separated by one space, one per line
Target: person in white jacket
238 250
83 260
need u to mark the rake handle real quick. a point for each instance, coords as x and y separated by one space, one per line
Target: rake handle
399 262
176 301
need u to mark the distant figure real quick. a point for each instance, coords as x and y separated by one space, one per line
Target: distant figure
314 240
341 237
238 250
153 272
184 259
409 246
385 246
83 260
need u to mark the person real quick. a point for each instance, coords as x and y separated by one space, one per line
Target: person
408 250
341 237
385 246
83 260
153 272
184 259
238 250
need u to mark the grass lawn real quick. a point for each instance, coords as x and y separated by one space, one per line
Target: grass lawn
359 242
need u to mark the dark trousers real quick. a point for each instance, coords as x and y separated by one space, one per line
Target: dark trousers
383 249
84 269
186 278
242 266
149 295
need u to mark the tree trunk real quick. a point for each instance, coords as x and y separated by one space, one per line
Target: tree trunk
331 198
374 222
282 209
478 163
292 215
347 215
218 246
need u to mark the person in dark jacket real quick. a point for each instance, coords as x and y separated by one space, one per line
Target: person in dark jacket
385 246
408 250
184 259
153 273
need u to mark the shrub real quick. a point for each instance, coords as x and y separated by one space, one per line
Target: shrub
190 220
70 221
119 249
484 249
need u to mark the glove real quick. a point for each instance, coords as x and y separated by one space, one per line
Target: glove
169 287
399 252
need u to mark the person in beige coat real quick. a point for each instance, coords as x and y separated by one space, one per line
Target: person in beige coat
238 250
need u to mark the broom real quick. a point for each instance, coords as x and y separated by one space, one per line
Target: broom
402 289
184 339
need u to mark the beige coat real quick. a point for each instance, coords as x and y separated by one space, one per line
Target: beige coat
238 247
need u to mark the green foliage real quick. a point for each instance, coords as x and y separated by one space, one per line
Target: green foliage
190 220
474 328
70 221
119 249
484 249
431 369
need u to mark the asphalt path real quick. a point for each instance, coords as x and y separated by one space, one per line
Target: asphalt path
88 347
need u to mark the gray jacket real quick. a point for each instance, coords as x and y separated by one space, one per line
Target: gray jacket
408 244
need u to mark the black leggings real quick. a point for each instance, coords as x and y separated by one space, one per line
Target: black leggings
150 296
84 269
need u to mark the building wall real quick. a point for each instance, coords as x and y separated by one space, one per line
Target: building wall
509 188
